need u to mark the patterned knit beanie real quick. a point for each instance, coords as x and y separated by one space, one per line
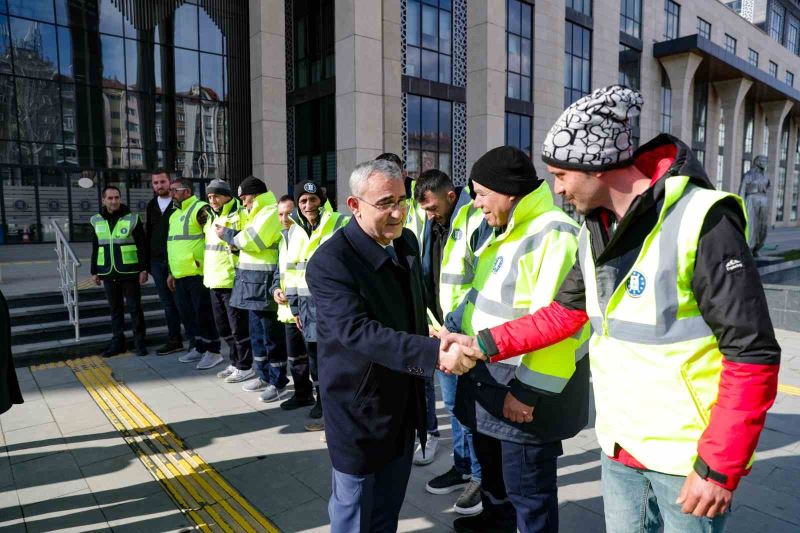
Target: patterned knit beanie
594 133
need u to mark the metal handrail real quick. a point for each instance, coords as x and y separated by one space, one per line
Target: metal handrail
68 264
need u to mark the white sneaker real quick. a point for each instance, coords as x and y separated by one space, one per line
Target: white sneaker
191 356
255 385
237 376
271 394
431 445
230 369
209 360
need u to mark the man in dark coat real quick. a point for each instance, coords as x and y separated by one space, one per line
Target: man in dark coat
9 386
374 351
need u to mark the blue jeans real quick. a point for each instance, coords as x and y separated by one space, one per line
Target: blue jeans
463 451
158 268
369 503
639 501
268 342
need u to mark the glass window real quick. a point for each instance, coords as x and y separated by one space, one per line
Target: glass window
672 20
777 16
211 75
211 40
8 107
429 125
110 18
5 45
518 132
666 103
793 34
699 114
314 42
629 62
429 40
113 60
789 79
773 69
630 18
38 10
703 28
581 6
578 62
35 48
730 44
38 113
186 71
186 26
519 50
752 57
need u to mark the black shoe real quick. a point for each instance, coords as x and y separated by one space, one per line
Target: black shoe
115 348
469 503
316 411
315 425
448 482
141 350
172 346
296 402
482 523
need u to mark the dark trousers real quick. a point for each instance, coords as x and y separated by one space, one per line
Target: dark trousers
311 350
369 503
298 361
268 340
122 294
518 483
430 408
233 326
158 268
194 305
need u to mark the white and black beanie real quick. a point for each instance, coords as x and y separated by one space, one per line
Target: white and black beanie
594 133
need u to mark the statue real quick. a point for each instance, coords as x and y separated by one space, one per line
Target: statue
753 189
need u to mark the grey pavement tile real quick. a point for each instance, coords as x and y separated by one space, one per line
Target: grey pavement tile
47 478
30 390
48 377
72 512
96 444
11 518
317 478
438 507
66 394
79 417
153 512
785 416
6 477
34 442
412 518
189 420
309 516
26 415
745 519
166 397
221 451
572 517
23 374
214 400
284 491
776 503
125 363
139 378
114 475
783 480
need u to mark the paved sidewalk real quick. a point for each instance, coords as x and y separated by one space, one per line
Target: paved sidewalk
64 467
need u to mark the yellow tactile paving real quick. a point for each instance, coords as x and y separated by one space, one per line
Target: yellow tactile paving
201 493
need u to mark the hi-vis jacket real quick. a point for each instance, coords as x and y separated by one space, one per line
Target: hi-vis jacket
257 243
185 242
683 355
519 271
219 264
279 281
415 217
115 252
303 241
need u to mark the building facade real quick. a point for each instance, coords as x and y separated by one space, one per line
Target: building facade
305 89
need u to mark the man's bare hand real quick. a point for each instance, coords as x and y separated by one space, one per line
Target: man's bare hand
470 344
456 359
96 279
700 497
516 411
219 230
298 323
279 296
171 283
142 277
433 332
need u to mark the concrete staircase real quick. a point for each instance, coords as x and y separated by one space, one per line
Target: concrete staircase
41 331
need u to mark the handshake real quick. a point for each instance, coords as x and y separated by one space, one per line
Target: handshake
458 353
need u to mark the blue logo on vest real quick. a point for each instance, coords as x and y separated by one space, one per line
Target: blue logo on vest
636 284
123 231
498 264
456 234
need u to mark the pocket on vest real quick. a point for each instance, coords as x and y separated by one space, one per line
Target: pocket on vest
130 255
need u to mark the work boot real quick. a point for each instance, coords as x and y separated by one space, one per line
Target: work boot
173 345
295 402
141 348
316 411
116 347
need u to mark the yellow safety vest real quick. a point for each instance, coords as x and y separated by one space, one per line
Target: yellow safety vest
302 246
416 217
116 252
185 240
458 257
258 240
655 362
284 312
519 272
219 262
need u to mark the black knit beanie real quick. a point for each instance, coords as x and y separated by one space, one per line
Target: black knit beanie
308 187
252 185
507 170
218 186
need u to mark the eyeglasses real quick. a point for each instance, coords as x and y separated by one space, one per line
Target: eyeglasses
174 189
385 207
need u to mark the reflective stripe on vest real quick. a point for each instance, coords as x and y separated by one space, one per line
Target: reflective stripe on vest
458 259
259 239
540 241
116 250
186 240
219 262
655 362
301 248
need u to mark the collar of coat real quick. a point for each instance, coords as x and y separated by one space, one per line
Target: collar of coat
373 253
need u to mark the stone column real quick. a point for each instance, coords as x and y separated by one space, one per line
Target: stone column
731 95
359 87
268 92
680 69
392 72
790 184
775 113
713 119
486 77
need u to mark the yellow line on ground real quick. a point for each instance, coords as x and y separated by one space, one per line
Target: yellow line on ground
788 389
197 489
